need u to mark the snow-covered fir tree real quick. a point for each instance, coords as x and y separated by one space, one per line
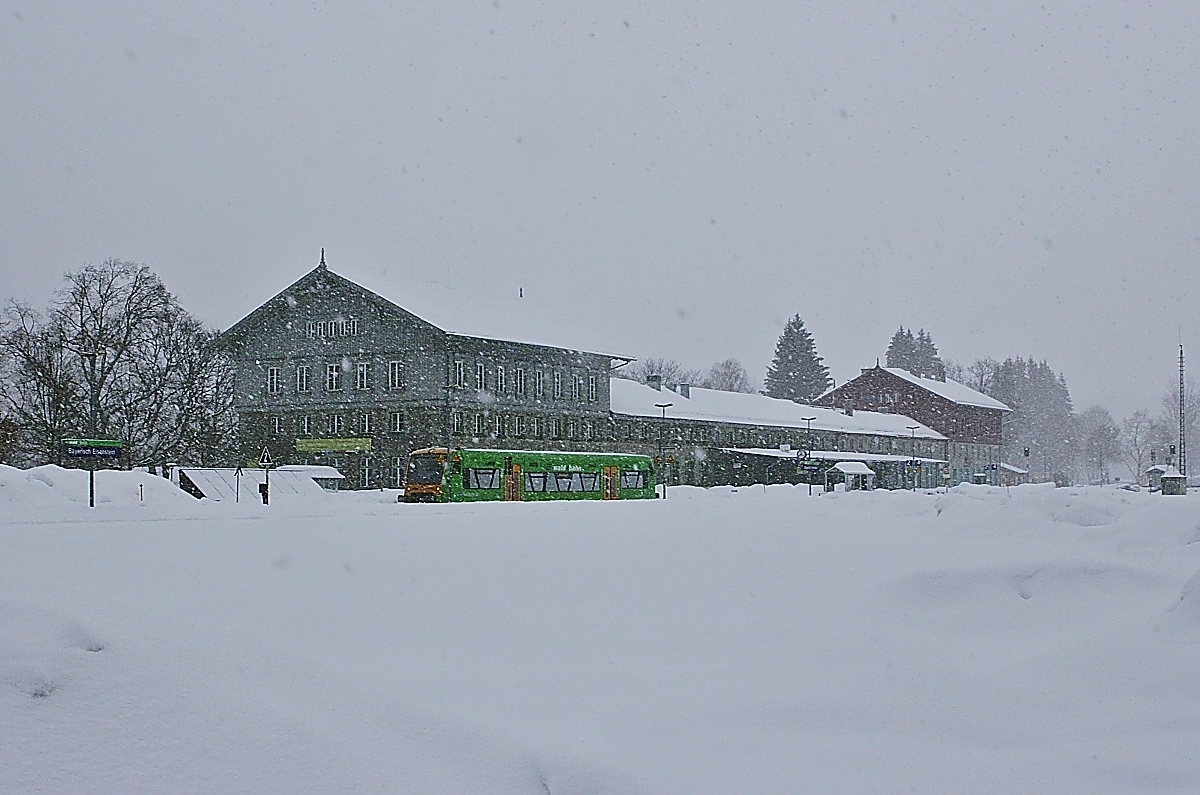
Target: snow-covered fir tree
917 354
797 372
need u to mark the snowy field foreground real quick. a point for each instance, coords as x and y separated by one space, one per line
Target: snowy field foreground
1038 640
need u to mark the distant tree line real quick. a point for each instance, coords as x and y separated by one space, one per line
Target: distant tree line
114 356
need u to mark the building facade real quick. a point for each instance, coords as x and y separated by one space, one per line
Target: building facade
328 372
971 421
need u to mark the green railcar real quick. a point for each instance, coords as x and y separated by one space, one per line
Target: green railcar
436 474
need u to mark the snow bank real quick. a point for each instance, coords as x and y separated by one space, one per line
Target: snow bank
749 640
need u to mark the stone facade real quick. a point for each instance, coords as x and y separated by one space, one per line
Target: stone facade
327 363
974 431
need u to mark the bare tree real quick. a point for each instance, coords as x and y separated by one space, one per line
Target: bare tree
673 373
728 376
117 356
1137 433
1101 442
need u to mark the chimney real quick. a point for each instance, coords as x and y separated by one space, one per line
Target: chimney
685 390
654 382
848 407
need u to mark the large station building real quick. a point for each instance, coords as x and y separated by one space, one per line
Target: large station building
328 372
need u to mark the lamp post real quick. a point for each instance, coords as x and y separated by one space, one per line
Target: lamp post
662 458
913 462
93 407
808 421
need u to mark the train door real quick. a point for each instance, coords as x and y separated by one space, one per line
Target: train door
612 482
512 481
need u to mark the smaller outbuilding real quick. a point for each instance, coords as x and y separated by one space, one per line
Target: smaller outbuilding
1173 482
856 475
1154 476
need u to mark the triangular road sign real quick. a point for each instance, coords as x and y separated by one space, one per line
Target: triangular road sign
264 460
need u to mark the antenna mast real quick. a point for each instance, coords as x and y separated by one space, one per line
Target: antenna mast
1182 415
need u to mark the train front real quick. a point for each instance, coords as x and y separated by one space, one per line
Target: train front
424 480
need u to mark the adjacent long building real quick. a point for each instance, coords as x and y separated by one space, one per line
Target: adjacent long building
328 372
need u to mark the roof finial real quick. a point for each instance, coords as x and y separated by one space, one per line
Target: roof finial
322 265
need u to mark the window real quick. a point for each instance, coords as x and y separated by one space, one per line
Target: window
500 385
518 425
362 375
339 327
553 432
575 382
396 421
481 478
538 386
353 327
592 389
366 471
395 375
365 425
480 427
277 425
481 376
498 425
460 374
587 430
535 427
519 381
337 424
456 422
305 425
273 380
303 378
633 479
571 429
312 328
557 385
397 472
333 377
562 481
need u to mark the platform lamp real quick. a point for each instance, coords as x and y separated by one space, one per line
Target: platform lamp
662 458
808 421
913 463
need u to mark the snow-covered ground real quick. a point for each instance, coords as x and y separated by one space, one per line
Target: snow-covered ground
1032 640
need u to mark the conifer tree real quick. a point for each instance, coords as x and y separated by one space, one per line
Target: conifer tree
928 363
902 350
797 372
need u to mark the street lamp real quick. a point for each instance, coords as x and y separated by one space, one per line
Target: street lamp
808 421
661 456
913 462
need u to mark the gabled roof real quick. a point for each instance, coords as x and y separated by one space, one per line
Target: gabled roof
316 277
950 390
454 311
711 405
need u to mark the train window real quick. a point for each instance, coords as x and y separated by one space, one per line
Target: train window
482 478
535 481
633 479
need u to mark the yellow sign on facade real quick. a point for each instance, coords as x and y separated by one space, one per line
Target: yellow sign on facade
358 445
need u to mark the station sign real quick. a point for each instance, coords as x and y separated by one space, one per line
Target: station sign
91 448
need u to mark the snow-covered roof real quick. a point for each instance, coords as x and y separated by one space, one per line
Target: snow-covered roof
951 390
711 405
521 314
222 483
854 468
1013 469
834 455
313 471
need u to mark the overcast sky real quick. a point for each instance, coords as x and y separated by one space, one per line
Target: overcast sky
1018 178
